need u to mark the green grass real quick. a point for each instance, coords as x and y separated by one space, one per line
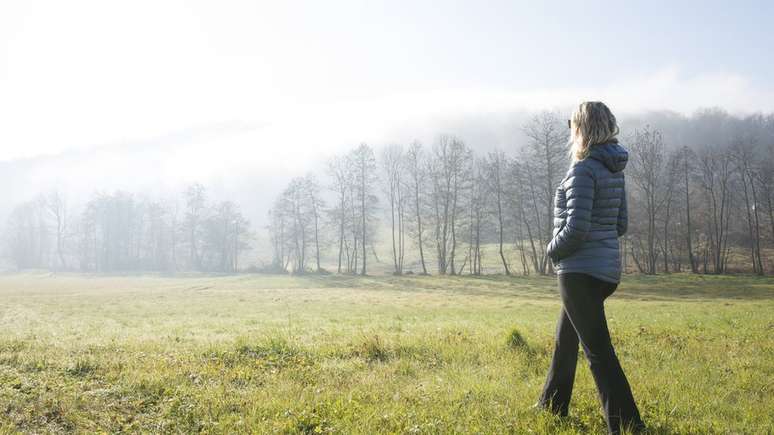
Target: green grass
343 354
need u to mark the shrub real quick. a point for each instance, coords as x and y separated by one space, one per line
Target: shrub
516 341
372 348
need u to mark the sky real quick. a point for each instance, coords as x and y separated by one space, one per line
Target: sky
278 82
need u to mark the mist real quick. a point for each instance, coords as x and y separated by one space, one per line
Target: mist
364 216
250 164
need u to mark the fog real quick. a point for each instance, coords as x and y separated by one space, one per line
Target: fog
251 163
352 216
152 98
245 163
248 163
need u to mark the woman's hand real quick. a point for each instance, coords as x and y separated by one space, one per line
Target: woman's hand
554 260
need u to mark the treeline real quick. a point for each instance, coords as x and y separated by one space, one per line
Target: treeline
696 208
699 201
440 204
700 194
126 232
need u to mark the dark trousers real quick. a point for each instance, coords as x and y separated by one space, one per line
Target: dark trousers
583 320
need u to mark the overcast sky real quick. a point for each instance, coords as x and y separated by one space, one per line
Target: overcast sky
313 76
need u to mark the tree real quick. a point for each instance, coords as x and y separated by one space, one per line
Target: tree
277 236
300 221
342 175
746 161
25 239
55 205
478 208
715 168
765 178
497 164
449 172
224 236
393 167
686 156
417 174
316 205
545 156
194 216
655 185
525 202
365 177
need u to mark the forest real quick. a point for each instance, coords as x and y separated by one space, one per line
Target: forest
700 193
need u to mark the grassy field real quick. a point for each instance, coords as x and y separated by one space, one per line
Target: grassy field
336 354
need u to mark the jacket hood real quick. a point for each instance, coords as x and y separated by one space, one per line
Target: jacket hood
613 155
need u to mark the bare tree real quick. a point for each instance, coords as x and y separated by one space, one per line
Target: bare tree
687 155
417 174
192 225
56 206
478 201
300 218
546 158
278 236
498 166
157 238
746 158
316 205
765 177
447 177
365 177
24 238
525 202
671 180
655 184
225 235
516 201
393 165
342 175
716 171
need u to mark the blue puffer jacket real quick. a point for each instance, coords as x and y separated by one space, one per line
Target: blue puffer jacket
590 214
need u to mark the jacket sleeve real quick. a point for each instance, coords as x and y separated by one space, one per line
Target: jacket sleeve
579 190
623 214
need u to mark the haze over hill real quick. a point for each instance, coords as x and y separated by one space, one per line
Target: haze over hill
238 161
150 97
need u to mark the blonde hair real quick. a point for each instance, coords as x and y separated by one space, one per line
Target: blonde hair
592 123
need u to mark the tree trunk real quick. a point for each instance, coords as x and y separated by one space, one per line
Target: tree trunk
363 213
689 228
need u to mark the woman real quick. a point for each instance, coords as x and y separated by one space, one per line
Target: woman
590 214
